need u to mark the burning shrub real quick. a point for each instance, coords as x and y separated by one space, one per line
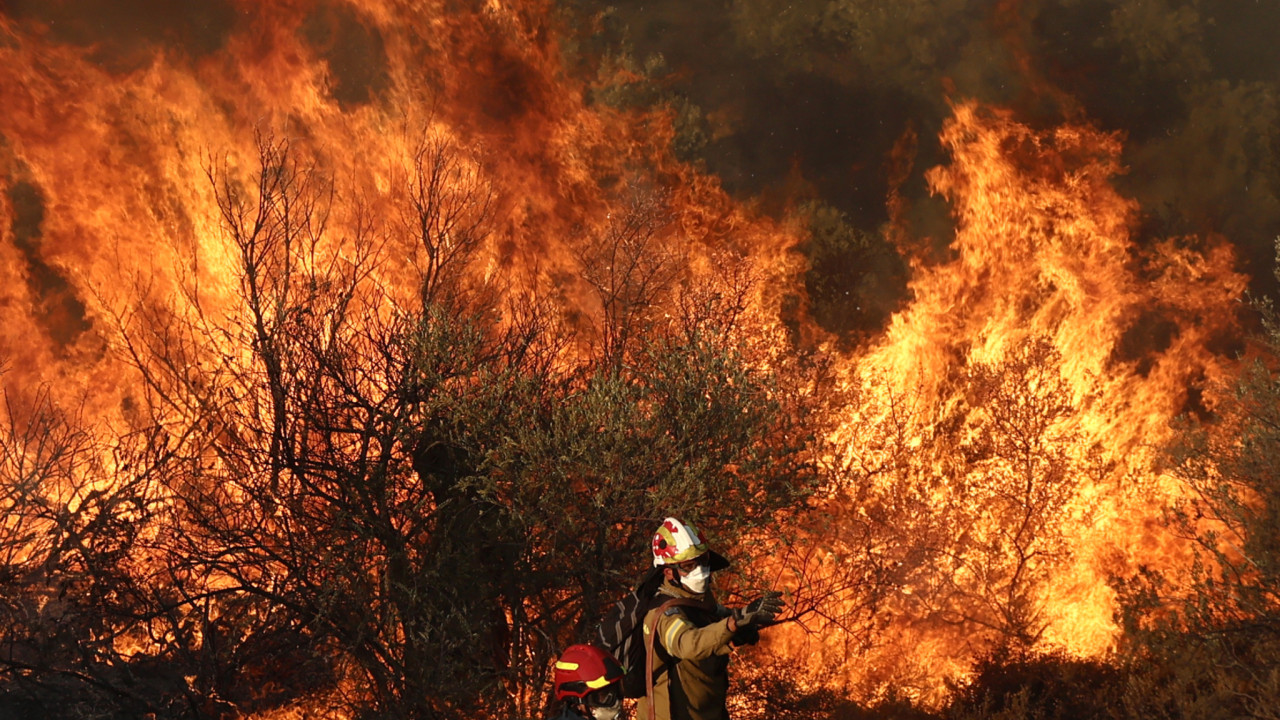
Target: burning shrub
855 279
406 499
75 600
1208 639
772 687
1010 683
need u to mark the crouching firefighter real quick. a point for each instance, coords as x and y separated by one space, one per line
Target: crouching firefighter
588 681
688 634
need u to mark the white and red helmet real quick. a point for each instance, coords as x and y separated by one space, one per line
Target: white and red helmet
676 542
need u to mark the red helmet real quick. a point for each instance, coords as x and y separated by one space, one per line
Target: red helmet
582 669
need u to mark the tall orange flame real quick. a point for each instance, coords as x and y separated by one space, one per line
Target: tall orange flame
106 169
997 457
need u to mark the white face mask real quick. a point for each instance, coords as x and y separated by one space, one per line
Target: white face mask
696 581
606 713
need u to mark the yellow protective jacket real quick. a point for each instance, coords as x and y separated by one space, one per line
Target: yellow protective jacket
696 641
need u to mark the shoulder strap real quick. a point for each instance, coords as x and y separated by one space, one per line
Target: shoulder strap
651 629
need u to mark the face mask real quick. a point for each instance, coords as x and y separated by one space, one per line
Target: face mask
696 581
605 703
609 712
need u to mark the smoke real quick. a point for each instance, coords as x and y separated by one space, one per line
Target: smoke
125 34
56 303
353 51
805 99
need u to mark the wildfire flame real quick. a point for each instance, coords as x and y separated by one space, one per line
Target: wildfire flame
1021 388
1007 420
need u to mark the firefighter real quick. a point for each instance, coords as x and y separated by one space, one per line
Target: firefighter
588 681
692 638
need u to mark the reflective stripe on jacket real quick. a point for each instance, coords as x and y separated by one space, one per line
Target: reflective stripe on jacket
696 641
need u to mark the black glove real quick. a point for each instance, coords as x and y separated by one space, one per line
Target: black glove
759 611
747 635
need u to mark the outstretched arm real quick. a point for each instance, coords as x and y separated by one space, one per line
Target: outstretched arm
682 640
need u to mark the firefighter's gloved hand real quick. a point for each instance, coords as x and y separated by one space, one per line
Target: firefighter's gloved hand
746 635
759 611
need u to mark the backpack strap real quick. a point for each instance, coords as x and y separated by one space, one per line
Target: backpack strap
651 629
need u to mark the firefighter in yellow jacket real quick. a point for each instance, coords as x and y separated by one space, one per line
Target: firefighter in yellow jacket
692 634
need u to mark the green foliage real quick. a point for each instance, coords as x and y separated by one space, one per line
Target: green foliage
855 278
627 83
1159 38
1011 684
773 688
901 44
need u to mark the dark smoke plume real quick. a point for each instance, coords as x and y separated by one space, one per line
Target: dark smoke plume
804 100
